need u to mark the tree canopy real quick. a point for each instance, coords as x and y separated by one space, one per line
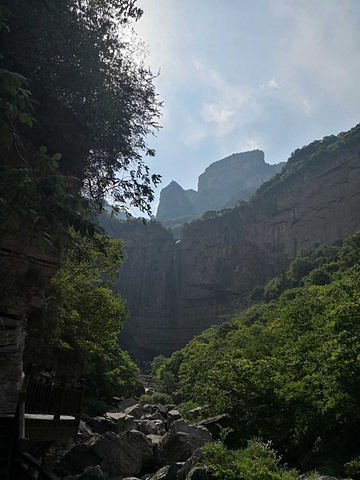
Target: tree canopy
94 101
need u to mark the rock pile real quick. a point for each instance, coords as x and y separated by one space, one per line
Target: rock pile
138 440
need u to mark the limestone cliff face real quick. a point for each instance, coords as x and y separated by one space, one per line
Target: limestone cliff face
177 289
221 185
174 203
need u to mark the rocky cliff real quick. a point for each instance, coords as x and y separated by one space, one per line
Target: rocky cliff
175 289
221 185
27 265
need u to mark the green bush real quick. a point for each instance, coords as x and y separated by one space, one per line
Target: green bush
352 469
156 397
258 461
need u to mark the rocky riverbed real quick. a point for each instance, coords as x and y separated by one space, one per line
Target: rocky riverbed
137 440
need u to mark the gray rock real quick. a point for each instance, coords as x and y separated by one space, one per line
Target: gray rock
169 472
172 415
162 409
142 445
128 402
102 425
118 458
199 473
84 431
149 408
91 473
189 464
156 416
135 411
155 439
78 458
181 441
122 422
152 427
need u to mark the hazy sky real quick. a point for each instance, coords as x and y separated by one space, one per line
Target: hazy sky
243 74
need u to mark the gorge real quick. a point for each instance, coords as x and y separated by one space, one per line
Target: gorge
177 288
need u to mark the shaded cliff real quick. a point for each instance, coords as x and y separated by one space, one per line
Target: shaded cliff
222 184
177 289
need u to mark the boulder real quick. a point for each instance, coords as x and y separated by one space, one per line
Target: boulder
155 439
149 408
128 402
84 431
156 416
199 473
122 422
102 425
142 445
91 473
118 458
162 409
135 411
181 441
169 472
216 424
172 415
152 427
189 464
78 458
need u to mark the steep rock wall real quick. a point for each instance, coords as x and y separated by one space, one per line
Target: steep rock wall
219 262
26 267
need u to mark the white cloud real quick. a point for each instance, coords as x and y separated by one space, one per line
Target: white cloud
270 84
317 57
251 144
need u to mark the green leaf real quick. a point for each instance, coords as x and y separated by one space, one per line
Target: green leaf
42 149
56 156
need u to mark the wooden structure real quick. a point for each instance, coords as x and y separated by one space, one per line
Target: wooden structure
48 411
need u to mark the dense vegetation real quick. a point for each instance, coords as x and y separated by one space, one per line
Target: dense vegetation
76 108
76 330
287 371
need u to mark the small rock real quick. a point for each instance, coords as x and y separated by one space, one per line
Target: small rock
154 427
155 439
172 415
149 408
199 473
169 472
84 431
135 411
162 409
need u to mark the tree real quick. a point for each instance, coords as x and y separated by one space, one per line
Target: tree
82 317
96 102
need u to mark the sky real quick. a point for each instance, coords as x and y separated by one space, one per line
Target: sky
236 75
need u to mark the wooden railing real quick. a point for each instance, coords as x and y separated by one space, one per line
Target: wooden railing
41 396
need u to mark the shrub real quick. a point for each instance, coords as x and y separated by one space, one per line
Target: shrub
258 461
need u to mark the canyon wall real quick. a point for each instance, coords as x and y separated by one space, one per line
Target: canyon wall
176 289
26 267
